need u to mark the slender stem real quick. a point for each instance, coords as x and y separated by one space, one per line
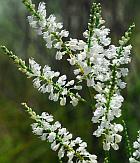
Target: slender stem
60 161
95 14
107 157
127 140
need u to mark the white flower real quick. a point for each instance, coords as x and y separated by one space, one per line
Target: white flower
72 60
81 45
73 44
49 88
58 45
105 41
78 140
47 117
51 137
37 83
62 101
136 145
40 24
100 98
111 52
106 146
70 155
61 153
124 71
77 71
136 154
74 101
90 82
48 38
43 136
99 112
55 97
37 130
35 67
64 33
56 126
70 83
59 55
116 101
78 87
42 13
86 34
98 87
132 160
127 49
118 128
62 80
118 138
102 35
55 146
115 146
32 22
95 49
62 131
121 84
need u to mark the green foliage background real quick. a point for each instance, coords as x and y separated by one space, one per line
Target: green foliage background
17 143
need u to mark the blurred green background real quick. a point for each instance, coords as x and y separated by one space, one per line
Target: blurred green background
17 143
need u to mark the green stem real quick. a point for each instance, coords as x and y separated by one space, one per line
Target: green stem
127 140
95 15
60 161
107 157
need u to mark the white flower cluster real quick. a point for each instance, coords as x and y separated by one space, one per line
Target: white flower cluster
93 61
136 154
53 35
48 81
85 59
39 25
48 27
97 61
106 74
103 66
60 139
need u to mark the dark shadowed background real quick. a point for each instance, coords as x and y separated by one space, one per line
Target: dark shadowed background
17 143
